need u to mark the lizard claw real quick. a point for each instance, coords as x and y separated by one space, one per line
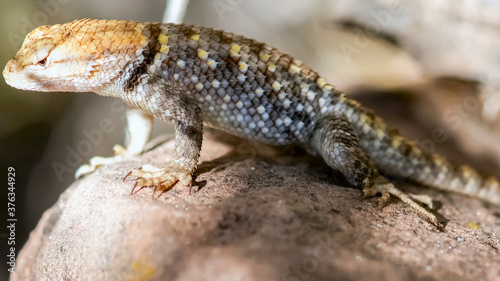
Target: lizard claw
162 179
133 188
125 178
159 195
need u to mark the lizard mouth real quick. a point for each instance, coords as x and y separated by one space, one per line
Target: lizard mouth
20 80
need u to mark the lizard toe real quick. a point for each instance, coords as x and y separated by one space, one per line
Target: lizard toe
162 179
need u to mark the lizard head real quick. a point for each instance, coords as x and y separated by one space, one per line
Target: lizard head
79 56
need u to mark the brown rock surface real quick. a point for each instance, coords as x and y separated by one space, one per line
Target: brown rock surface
255 213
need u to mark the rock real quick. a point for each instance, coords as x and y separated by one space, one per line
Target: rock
254 213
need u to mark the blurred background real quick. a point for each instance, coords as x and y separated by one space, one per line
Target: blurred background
430 68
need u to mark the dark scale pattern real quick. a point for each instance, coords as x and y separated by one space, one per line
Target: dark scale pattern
241 85
149 52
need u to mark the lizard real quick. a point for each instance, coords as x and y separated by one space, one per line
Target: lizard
194 76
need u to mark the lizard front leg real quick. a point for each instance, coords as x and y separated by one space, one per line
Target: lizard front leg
138 131
336 141
188 122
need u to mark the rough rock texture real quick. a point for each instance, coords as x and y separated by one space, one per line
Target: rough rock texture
255 213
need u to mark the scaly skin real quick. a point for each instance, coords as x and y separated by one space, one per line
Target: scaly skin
187 75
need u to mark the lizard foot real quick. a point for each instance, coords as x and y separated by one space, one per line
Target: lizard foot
386 189
162 179
120 154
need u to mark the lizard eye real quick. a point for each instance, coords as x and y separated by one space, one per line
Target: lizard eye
42 62
41 56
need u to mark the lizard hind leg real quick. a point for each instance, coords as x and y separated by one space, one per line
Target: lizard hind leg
337 142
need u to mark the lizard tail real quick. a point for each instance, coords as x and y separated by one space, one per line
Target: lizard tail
394 155
442 174
403 158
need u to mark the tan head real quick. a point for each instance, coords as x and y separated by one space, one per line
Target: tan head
79 56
